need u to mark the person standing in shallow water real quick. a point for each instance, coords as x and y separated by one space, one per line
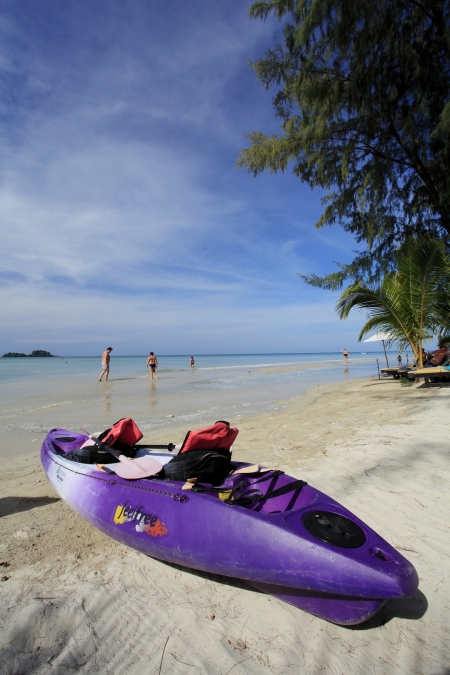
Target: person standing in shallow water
152 363
105 363
192 362
345 353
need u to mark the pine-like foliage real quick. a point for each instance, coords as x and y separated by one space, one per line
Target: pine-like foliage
411 304
363 91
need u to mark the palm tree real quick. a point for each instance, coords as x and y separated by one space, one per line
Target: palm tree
412 304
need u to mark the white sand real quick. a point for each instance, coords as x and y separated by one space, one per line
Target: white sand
76 601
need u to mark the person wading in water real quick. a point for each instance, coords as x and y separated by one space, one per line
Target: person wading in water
105 363
152 363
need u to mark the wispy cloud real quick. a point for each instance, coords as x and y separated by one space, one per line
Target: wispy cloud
121 123
72 322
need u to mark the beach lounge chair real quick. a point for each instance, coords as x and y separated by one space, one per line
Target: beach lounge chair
436 373
391 371
397 371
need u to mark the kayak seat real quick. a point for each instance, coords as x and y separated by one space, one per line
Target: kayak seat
88 455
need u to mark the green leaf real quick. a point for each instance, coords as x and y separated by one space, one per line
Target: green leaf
362 91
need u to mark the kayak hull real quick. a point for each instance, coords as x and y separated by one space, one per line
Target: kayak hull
270 548
340 609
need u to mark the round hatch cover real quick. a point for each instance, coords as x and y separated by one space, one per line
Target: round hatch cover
334 529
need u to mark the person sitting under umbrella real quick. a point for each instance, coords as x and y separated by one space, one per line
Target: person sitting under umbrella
436 357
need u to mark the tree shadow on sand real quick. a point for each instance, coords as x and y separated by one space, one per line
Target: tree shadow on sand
10 505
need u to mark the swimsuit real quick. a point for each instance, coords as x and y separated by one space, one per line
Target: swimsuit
105 366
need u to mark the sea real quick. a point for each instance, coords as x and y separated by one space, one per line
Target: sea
37 394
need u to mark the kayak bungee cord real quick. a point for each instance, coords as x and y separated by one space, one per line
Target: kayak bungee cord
177 497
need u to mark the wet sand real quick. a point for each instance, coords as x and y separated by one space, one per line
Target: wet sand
75 600
190 398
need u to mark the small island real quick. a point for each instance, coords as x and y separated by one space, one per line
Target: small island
36 352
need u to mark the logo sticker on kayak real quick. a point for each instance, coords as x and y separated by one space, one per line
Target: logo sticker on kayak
145 522
60 474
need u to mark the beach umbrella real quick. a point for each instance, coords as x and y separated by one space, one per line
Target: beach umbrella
381 336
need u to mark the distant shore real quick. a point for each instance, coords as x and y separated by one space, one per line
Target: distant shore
37 353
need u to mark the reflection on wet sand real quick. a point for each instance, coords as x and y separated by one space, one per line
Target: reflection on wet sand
177 398
153 400
106 401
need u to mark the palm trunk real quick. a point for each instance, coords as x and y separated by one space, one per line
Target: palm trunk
385 355
417 351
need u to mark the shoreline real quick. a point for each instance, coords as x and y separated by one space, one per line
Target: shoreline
192 398
84 599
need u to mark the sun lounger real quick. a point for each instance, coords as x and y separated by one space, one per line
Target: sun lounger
397 371
441 372
391 371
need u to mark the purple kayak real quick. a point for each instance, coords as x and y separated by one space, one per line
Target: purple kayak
273 531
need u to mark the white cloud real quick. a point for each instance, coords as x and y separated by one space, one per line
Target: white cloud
83 321
121 213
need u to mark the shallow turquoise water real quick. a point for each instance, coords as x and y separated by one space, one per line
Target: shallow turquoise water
40 393
14 369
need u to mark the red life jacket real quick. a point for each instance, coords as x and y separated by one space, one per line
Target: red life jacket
220 435
125 432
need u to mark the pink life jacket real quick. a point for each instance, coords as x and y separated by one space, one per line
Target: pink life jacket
219 435
125 432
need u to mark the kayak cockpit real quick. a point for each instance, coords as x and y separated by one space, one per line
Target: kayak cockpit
250 491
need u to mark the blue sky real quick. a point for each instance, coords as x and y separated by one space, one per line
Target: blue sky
123 218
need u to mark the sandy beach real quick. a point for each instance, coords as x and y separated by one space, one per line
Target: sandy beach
73 600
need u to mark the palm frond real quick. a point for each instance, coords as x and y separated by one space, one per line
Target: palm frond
412 303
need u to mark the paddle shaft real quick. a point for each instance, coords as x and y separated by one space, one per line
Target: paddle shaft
171 447
130 469
114 453
111 450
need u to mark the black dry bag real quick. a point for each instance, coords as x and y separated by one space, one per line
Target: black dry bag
206 466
